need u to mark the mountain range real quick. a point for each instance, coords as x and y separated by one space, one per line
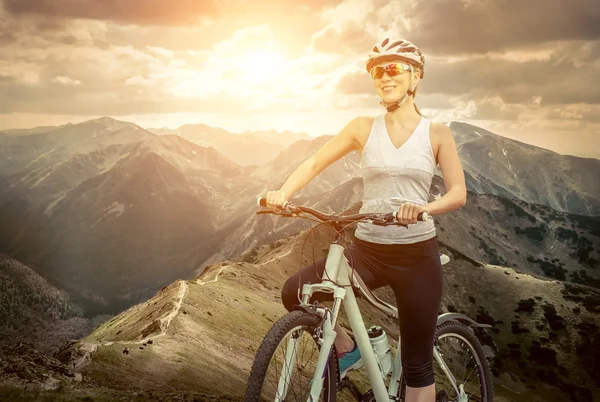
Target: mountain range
106 215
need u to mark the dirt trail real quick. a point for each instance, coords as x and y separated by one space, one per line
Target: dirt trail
87 348
199 282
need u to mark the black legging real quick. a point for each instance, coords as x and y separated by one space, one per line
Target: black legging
413 271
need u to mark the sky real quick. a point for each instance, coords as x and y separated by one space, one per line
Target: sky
524 69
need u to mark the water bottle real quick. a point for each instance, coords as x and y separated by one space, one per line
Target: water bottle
381 348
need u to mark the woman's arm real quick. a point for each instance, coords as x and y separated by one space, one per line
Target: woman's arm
454 177
343 143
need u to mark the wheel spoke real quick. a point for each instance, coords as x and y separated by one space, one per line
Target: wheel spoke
462 361
286 362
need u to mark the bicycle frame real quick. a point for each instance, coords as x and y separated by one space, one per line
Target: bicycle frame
337 267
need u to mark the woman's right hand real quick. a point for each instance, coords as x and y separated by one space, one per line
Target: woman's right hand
276 200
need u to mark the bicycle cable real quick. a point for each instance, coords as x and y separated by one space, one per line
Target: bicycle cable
341 233
347 247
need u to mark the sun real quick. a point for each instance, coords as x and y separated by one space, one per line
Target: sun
261 66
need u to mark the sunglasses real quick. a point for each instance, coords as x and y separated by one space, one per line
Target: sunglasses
391 69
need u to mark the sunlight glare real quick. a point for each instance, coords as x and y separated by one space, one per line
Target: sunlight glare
262 66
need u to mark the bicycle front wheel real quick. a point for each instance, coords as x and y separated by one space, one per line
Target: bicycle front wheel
468 375
286 362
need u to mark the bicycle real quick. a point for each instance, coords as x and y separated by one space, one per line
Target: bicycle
318 321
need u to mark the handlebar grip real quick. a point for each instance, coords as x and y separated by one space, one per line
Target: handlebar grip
423 216
262 202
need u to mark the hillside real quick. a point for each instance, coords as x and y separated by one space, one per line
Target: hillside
160 232
251 148
113 226
106 196
501 166
202 334
24 150
534 239
34 311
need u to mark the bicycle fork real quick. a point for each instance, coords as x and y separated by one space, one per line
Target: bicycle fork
290 357
288 367
459 389
326 348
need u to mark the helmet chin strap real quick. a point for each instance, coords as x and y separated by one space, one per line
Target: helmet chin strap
391 106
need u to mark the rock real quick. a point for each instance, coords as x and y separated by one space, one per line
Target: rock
526 305
544 356
24 366
554 320
52 384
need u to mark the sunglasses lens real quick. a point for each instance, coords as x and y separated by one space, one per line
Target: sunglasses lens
377 72
391 70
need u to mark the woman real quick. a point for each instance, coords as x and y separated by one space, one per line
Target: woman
399 152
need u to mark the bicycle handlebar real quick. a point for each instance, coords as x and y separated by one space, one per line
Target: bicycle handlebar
382 219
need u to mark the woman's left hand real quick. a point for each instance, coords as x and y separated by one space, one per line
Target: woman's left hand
408 213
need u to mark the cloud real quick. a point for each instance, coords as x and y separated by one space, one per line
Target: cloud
57 98
575 112
560 79
528 66
560 75
355 82
458 27
35 32
83 78
494 108
152 12
462 27
353 27
66 81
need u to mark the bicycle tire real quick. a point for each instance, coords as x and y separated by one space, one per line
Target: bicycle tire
458 328
269 344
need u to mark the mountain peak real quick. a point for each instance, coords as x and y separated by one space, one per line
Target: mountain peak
109 122
106 120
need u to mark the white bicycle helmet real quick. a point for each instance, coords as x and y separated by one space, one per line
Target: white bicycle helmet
397 50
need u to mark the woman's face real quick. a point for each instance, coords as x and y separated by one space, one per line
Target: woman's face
392 79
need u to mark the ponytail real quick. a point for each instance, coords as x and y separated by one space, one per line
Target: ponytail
413 95
417 109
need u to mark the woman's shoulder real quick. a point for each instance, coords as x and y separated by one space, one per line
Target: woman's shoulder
363 122
440 129
362 128
440 132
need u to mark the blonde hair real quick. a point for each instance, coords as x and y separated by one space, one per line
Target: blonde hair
414 96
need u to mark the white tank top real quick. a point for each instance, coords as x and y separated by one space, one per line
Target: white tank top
392 176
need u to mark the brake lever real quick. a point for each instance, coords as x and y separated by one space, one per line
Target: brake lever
263 212
386 222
